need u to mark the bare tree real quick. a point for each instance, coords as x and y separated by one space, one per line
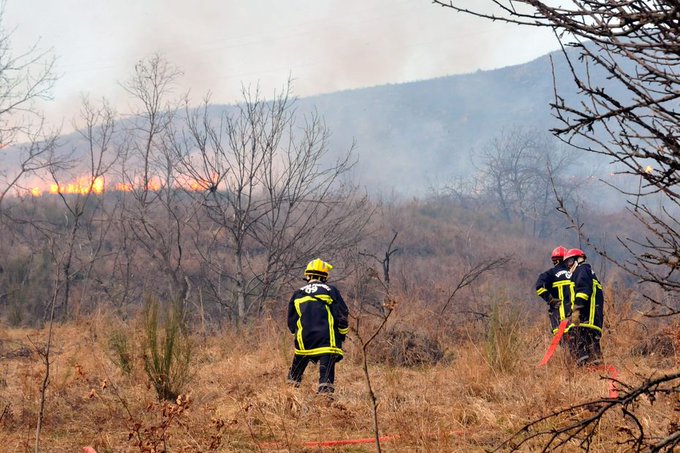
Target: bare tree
519 169
25 145
274 197
155 216
367 326
385 259
44 353
25 79
80 187
583 421
625 66
472 273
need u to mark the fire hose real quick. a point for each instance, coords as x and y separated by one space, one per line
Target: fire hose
611 370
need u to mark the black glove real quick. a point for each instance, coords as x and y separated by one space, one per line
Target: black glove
553 303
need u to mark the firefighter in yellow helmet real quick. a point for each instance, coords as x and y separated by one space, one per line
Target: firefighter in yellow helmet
318 317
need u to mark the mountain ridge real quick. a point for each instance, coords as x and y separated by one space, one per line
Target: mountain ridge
413 136
425 131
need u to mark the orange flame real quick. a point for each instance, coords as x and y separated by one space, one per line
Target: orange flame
195 185
123 187
153 185
85 185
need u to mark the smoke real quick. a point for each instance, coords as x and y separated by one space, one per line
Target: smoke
221 45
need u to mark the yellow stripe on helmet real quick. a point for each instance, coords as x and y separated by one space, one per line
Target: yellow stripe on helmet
318 267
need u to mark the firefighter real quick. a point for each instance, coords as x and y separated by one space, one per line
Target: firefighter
587 316
318 317
554 286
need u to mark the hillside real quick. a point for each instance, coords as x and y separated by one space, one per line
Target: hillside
427 131
414 136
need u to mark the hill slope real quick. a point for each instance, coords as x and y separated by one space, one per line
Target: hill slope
411 135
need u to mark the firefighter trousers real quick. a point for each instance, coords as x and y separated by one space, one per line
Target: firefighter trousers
584 346
326 370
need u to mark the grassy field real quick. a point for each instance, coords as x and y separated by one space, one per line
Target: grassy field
476 397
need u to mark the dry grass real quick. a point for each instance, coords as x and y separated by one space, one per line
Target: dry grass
238 399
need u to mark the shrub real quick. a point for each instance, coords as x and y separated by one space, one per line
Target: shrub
119 345
407 348
167 349
503 340
659 344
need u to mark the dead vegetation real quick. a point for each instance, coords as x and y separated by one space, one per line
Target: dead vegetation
238 399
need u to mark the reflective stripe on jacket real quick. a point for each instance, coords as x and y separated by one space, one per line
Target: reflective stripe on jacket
588 297
318 317
556 283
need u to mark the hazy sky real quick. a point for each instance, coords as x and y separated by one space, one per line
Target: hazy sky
323 45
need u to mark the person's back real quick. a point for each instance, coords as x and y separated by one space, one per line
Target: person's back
588 297
555 287
308 318
587 319
319 319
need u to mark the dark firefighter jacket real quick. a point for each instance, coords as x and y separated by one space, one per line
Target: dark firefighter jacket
556 284
588 297
318 317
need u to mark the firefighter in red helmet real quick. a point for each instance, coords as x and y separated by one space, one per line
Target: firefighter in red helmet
587 317
554 286
318 317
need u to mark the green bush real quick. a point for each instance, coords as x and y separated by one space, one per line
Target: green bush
119 345
167 349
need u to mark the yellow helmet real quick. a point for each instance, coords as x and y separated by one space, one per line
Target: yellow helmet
318 268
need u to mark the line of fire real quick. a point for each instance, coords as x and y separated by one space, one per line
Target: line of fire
87 185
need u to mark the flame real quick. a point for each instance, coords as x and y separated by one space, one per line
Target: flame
86 185
82 186
98 185
648 169
123 187
154 185
195 185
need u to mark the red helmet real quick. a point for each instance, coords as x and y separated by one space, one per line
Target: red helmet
558 253
574 253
